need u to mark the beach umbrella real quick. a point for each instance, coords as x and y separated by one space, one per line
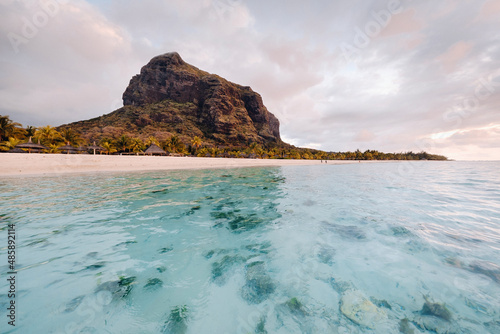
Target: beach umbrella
95 148
68 148
82 149
30 146
155 149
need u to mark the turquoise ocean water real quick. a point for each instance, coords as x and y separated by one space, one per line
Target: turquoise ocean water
362 248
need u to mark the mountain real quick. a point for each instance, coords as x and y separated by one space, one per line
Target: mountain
170 96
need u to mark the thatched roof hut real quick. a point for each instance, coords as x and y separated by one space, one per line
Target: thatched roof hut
155 150
95 148
32 146
82 150
68 148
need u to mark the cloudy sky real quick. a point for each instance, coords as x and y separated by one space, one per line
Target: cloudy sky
391 75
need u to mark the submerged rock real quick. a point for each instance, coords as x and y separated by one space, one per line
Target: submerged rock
161 269
153 284
347 231
326 255
493 326
435 325
259 248
92 254
438 310
96 266
454 262
214 252
193 210
400 231
259 285
261 326
125 243
118 289
381 303
339 286
244 223
165 249
359 309
237 222
405 327
486 268
296 307
126 281
73 304
160 191
177 321
209 254
221 268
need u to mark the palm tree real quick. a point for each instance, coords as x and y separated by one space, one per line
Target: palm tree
274 153
108 147
9 144
253 147
203 152
123 143
30 131
196 143
48 135
8 128
54 148
174 144
214 151
320 156
152 140
136 145
71 137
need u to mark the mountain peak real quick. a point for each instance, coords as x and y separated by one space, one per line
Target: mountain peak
170 96
169 58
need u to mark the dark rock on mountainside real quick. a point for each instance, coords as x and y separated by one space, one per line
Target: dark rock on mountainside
170 96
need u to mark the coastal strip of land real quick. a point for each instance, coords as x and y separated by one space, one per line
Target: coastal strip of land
12 164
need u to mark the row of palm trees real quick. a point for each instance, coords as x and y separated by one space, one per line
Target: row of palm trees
12 134
126 144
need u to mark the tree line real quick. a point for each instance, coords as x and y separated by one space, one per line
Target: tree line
12 134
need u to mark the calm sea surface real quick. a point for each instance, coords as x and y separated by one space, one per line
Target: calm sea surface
362 248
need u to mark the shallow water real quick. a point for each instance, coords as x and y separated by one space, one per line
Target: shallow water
368 248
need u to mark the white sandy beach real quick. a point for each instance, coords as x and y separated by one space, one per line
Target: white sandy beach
12 164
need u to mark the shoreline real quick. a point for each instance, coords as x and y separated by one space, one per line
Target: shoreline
14 164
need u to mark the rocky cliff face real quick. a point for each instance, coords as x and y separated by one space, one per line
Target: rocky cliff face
171 97
223 111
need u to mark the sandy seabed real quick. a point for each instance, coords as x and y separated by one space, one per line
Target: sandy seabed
12 164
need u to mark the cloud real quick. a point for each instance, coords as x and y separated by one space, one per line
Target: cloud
485 137
364 136
490 10
403 23
67 68
473 143
454 55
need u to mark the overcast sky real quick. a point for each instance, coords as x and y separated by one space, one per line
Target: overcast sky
391 75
